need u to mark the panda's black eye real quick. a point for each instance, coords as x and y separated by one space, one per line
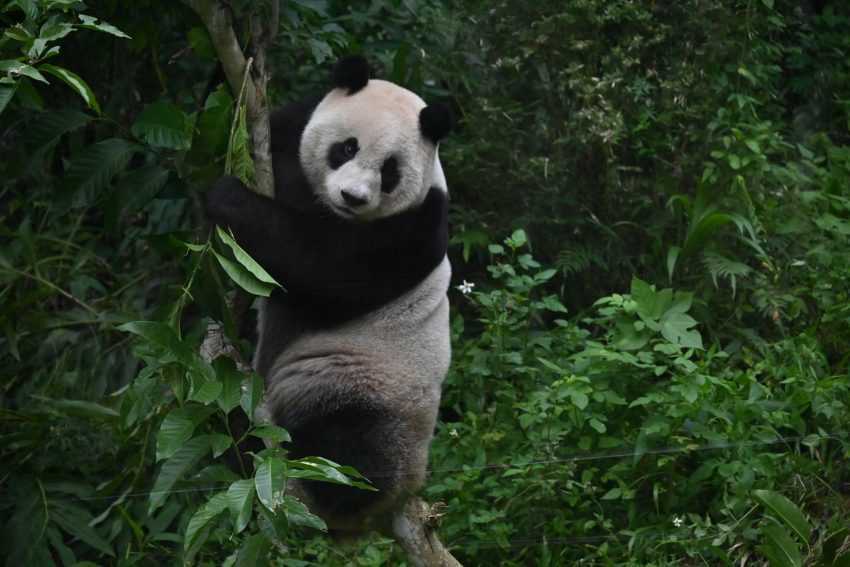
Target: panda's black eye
341 152
390 175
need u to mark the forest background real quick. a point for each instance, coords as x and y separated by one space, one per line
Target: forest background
650 226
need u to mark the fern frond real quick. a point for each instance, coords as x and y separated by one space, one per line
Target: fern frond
721 266
93 169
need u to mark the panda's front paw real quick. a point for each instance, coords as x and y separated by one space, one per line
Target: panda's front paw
224 201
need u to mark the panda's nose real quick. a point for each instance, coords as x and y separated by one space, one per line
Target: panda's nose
353 200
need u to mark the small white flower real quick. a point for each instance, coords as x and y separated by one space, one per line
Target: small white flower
453 433
466 287
677 521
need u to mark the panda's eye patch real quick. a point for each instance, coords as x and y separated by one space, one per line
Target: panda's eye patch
342 152
390 175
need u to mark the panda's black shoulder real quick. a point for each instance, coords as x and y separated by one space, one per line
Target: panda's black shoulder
287 123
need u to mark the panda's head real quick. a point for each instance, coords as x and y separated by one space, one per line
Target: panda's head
369 149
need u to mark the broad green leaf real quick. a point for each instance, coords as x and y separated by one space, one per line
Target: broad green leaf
93 169
273 433
244 278
203 516
244 258
28 7
269 479
779 548
178 427
161 335
45 129
91 23
318 468
676 328
14 67
75 82
786 511
163 125
219 443
231 383
52 31
298 514
175 468
254 551
240 502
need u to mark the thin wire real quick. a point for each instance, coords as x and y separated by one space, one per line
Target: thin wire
496 466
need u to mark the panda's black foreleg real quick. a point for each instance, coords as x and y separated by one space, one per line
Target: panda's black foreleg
280 239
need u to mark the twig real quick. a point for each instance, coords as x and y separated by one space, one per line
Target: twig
414 530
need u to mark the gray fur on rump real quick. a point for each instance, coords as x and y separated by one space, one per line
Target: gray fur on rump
370 391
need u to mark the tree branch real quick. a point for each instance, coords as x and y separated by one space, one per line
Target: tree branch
414 530
219 22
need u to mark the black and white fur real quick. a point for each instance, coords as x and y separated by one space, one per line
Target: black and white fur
355 349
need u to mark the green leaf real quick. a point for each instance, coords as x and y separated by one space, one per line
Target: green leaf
768 3
14 67
91 23
254 552
93 169
252 396
163 125
240 502
273 433
779 548
318 468
75 521
75 82
48 127
178 427
80 408
176 468
786 511
244 278
202 517
161 335
6 94
298 514
244 258
52 31
269 479
701 232
231 383
676 328
672 256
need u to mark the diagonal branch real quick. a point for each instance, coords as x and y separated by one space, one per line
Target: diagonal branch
219 22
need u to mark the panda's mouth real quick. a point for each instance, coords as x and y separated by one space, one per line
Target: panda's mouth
343 211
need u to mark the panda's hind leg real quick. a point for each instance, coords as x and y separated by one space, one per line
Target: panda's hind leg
344 421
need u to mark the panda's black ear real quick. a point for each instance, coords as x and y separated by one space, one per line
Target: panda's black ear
435 121
352 73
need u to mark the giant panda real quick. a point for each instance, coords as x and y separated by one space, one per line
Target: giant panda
354 350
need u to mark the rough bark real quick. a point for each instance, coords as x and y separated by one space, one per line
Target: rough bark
414 529
219 22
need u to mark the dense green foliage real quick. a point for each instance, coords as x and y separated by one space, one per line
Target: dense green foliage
652 200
